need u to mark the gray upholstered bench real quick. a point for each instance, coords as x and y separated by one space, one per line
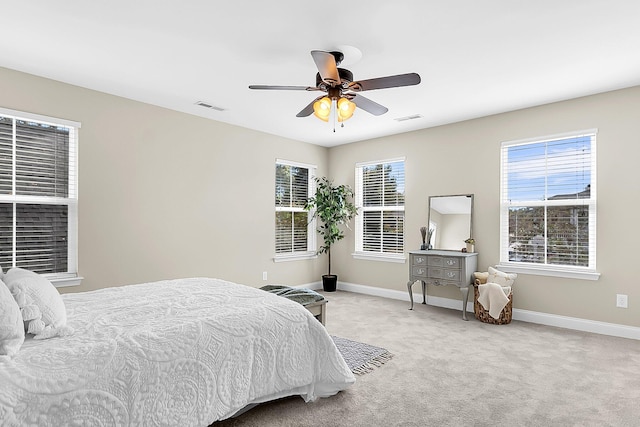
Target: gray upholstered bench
311 300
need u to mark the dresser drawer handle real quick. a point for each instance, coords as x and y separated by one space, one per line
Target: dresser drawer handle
451 274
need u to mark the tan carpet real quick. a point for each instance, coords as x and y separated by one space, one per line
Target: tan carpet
448 372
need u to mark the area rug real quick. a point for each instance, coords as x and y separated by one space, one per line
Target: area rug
360 357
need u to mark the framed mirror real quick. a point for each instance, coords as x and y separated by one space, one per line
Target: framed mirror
450 221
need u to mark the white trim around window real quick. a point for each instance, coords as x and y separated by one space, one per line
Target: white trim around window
294 184
39 118
548 205
40 182
379 228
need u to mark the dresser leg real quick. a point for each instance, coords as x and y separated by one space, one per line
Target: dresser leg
409 285
465 298
424 291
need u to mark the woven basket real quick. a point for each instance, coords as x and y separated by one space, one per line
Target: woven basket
484 316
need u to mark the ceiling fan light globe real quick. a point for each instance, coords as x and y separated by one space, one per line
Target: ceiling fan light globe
345 109
322 109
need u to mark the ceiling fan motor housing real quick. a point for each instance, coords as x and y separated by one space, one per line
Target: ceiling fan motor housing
345 76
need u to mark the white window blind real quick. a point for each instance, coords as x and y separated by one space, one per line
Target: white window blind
38 194
548 202
380 202
294 186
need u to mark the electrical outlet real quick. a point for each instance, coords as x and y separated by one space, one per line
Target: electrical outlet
264 275
622 301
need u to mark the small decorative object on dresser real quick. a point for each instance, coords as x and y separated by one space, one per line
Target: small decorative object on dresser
423 232
470 243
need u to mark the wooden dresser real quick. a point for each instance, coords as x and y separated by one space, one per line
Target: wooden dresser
441 268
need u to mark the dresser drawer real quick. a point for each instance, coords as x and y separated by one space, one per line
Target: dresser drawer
419 271
441 261
445 274
418 260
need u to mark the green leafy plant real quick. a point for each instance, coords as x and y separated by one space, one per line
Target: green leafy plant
333 206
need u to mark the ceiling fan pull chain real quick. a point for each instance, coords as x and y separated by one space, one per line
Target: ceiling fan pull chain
335 114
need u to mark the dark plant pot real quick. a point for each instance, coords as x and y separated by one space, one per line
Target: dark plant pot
329 282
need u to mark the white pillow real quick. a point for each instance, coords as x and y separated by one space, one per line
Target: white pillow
501 278
40 303
11 325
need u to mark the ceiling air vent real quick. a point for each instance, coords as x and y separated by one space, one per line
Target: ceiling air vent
210 106
412 117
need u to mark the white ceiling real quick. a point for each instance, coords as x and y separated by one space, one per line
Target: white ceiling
475 58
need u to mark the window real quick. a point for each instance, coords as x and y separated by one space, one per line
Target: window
38 195
548 205
295 234
380 201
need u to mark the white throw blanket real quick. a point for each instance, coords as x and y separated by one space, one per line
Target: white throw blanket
493 298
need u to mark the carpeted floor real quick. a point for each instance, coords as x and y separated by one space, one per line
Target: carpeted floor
448 372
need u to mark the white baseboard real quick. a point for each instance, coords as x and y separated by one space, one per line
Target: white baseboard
585 325
312 286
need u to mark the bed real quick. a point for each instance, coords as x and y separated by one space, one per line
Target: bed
175 353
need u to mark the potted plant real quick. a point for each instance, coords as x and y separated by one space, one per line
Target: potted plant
332 205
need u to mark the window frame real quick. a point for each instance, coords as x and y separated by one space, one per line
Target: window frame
311 251
359 252
70 277
555 270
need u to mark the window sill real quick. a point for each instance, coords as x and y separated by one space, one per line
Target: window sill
584 274
64 281
295 257
399 258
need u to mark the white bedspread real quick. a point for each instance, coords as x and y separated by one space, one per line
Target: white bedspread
177 353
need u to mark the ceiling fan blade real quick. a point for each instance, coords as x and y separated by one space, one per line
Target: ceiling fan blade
308 110
327 67
408 79
369 106
273 87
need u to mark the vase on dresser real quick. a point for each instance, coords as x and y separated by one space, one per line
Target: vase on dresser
470 247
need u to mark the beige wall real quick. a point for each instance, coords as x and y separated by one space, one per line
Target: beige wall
164 194
465 158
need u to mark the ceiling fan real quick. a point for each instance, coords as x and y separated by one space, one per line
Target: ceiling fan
339 86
